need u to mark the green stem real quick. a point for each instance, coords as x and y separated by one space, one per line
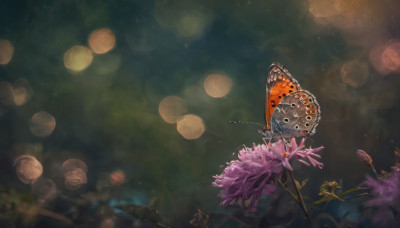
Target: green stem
287 190
300 200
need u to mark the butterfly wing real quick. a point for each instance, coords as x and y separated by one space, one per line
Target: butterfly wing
297 115
280 83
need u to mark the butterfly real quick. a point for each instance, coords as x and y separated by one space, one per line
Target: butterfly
290 111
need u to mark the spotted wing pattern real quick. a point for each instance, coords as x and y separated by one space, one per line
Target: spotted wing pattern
280 83
297 115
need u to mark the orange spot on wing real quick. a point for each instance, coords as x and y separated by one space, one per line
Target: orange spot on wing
277 91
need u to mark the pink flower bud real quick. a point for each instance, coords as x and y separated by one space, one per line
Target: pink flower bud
364 157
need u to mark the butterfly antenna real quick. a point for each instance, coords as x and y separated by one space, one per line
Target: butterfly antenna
245 122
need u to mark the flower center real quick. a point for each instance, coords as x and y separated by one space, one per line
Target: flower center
285 155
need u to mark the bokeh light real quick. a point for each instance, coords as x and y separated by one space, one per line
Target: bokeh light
22 91
190 126
356 17
187 20
171 108
28 168
6 95
101 40
72 164
322 8
6 51
191 24
42 124
375 57
217 85
44 189
391 55
385 57
107 223
117 177
355 73
78 58
74 179
75 173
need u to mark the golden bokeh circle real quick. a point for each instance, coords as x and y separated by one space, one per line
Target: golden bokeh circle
171 108
217 85
78 58
190 126
6 51
101 40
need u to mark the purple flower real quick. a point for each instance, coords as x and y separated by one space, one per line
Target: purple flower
386 194
256 171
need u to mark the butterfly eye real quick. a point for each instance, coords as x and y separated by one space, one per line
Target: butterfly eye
286 120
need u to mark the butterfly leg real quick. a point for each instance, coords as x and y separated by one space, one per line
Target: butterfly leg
284 143
265 140
267 136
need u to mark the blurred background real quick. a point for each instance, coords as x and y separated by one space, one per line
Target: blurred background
130 101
